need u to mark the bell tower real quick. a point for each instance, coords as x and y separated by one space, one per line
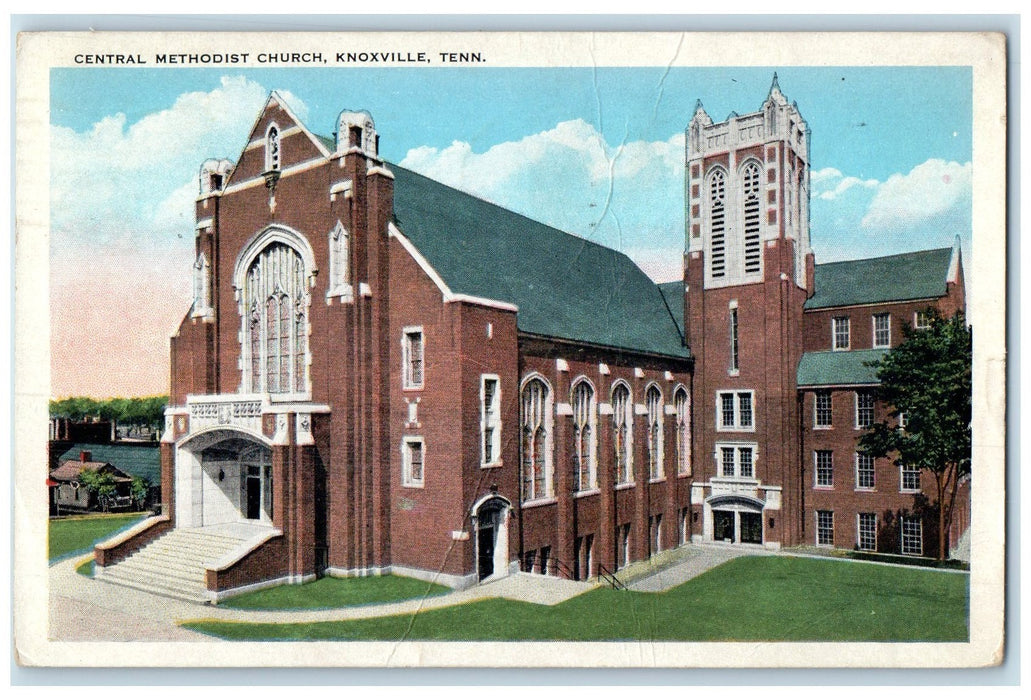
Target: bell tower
748 271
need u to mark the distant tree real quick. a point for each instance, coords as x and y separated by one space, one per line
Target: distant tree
140 490
927 379
148 411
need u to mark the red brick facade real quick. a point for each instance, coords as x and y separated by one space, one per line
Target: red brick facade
375 420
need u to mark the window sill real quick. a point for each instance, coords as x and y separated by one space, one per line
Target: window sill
910 491
823 427
420 387
684 475
539 502
344 292
840 349
589 492
412 485
732 429
866 489
623 487
491 465
657 480
823 488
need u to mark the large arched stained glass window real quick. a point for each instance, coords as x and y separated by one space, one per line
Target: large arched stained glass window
584 470
276 327
622 433
534 440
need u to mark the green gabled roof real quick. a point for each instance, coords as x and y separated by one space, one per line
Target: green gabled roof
564 286
919 275
673 293
133 459
838 368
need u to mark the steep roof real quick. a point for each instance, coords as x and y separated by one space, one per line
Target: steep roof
564 286
134 460
838 368
673 294
919 275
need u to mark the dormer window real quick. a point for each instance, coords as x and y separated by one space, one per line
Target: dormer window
272 151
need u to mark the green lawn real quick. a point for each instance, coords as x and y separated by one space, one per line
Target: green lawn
78 534
336 593
746 599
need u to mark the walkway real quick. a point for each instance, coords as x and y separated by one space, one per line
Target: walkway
84 609
697 559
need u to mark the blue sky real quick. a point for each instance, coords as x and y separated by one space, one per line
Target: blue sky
596 152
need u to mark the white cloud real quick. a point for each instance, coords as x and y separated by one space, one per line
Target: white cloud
932 191
109 184
571 177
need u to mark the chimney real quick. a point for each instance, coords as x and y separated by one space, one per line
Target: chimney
85 456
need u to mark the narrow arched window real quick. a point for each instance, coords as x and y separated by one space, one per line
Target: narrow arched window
339 262
272 153
653 402
201 286
683 429
534 440
622 433
753 247
717 224
276 300
584 470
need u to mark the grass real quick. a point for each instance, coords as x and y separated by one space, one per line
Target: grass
335 593
77 535
746 599
85 568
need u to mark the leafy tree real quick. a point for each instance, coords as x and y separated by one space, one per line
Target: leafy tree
927 378
102 485
148 411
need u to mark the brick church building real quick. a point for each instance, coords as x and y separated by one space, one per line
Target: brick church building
383 374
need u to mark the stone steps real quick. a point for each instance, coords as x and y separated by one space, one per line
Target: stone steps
173 565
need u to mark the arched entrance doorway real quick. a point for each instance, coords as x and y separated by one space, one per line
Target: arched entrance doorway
223 476
490 523
736 519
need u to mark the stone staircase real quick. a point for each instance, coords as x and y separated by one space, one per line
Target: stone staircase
173 565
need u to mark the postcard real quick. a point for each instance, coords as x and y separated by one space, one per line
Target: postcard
408 349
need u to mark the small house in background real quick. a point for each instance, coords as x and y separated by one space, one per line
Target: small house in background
132 459
69 493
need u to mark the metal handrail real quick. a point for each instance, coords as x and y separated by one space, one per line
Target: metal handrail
610 577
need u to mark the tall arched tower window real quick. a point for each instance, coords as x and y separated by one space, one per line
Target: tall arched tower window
717 224
683 408
753 247
276 323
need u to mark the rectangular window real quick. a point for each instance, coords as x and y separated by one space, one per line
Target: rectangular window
490 420
735 410
824 412
868 531
737 461
825 528
824 469
910 478
921 319
882 330
413 358
733 341
412 462
744 461
545 560
864 409
912 536
864 471
840 331
685 514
